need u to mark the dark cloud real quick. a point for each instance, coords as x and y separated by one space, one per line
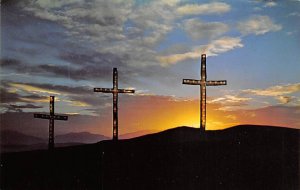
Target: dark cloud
10 97
84 94
93 58
95 72
55 70
7 97
10 63
19 108
80 90
95 67
8 100
89 40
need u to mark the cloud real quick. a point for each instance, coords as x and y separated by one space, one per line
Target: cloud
19 108
55 3
85 18
30 88
200 30
175 58
7 97
12 100
34 98
203 9
230 102
278 90
45 88
282 93
270 4
285 99
231 99
214 48
11 95
258 25
99 35
222 45
79 98
297 14
87 70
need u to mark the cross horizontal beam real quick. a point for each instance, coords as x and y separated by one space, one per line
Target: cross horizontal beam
111 90
207 83
191 81
125 91
55 117
216 82
104 90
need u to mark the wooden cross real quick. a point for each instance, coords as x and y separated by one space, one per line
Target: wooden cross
51 118
203 83
115 91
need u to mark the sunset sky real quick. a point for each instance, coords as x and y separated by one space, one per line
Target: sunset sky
66 48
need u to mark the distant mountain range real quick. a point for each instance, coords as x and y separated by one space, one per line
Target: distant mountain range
82 137
13 141
9 137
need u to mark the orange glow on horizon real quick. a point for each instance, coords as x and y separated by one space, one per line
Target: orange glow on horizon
158 113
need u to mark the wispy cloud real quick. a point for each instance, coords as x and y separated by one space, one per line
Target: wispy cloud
214 48
258 25
175 58
204 9
201 30
282 93
19 108
297 14
270 4
231 99
231 102
278 90
34 89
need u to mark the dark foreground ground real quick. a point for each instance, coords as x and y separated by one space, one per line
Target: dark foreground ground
241 158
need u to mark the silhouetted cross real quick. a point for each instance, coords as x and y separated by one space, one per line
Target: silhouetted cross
51 118
115 91
203 83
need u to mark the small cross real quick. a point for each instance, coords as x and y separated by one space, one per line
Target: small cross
115 91
51 118
203 83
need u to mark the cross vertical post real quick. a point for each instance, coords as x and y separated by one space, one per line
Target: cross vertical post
51 118
51 123
115 91
203 93
115 104
203 83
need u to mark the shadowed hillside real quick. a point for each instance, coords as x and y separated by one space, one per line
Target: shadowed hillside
242 157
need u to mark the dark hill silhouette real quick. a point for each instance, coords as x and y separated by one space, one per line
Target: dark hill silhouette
136 134
243 157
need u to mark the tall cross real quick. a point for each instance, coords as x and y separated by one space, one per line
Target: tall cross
51 118
203 83
115 91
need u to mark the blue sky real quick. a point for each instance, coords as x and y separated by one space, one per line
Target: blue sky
66 48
